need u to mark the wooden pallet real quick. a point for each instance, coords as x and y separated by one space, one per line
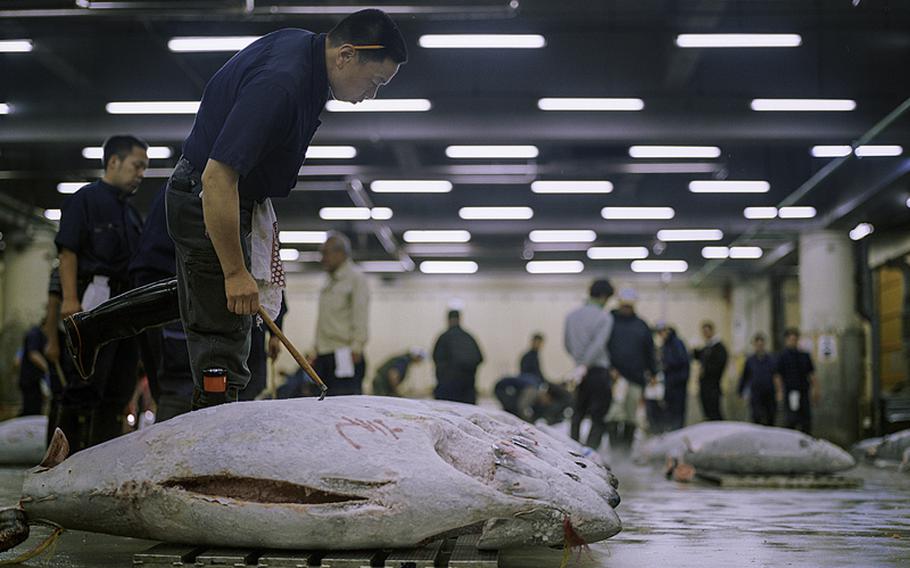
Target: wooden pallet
450 553
802 481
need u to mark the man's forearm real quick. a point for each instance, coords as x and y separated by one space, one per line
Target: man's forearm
69 264
221 212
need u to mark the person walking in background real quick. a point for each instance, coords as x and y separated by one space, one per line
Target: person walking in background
797 387
631 349
32 368
713 360
757 383
674 359
587 332
456 356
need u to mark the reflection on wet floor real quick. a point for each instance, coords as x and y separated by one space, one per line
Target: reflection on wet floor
665 524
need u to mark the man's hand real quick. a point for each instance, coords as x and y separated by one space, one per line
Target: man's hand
52 351
274 347
816 395
242 293
70 306
357 357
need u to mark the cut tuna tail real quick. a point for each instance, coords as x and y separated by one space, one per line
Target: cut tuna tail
13 528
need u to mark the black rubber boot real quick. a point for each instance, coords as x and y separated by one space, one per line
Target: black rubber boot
204 399
122 316
107 424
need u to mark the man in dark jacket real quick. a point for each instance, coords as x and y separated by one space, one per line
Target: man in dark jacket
757 383
713 359
631 348
674 358
797 387
457 357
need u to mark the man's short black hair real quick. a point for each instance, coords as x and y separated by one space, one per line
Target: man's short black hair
791 331
759 336
601 288
121 146
454 314
371 27
537 336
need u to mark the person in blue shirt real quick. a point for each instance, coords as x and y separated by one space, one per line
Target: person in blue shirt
32 369
257 116
674 359
98 234
757 383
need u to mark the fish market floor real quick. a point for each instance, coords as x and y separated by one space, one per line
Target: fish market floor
665 524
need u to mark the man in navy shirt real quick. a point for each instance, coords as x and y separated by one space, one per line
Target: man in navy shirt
32 368
797 388
257 117
99 231
757 383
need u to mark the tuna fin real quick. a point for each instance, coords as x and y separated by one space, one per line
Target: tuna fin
57 451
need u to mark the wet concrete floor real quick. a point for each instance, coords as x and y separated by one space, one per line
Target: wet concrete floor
665 524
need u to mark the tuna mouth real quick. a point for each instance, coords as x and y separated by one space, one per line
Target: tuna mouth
256 490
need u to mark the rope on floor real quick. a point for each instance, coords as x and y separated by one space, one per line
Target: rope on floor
46 544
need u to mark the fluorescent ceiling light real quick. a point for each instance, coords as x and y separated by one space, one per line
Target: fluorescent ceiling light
659 266
495 213
739 40
637 213
439 249
831 151
669 235
858 232
568 186
760 212
590 104
746 252
344 213
487 152
570 236
555 266
70 187
879 151
715 252
289 255
153 107
617 253
865 151
908 202
381 266
453 236
15 45
216 43
380 105
154 152
481 41
4 108
411 186
797 212
729 186
302 237
381 213
674 151
803 104
670 168
53 214
448 267
331 152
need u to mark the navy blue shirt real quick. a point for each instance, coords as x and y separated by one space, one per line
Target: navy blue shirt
794 367
260 111
29 373
155 257
102 228
758 374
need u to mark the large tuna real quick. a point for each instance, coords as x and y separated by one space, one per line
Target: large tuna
742 448
890 448
348 472
22 440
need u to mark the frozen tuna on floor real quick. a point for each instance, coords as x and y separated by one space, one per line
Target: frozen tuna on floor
22 440
743 448
889 448
344 473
